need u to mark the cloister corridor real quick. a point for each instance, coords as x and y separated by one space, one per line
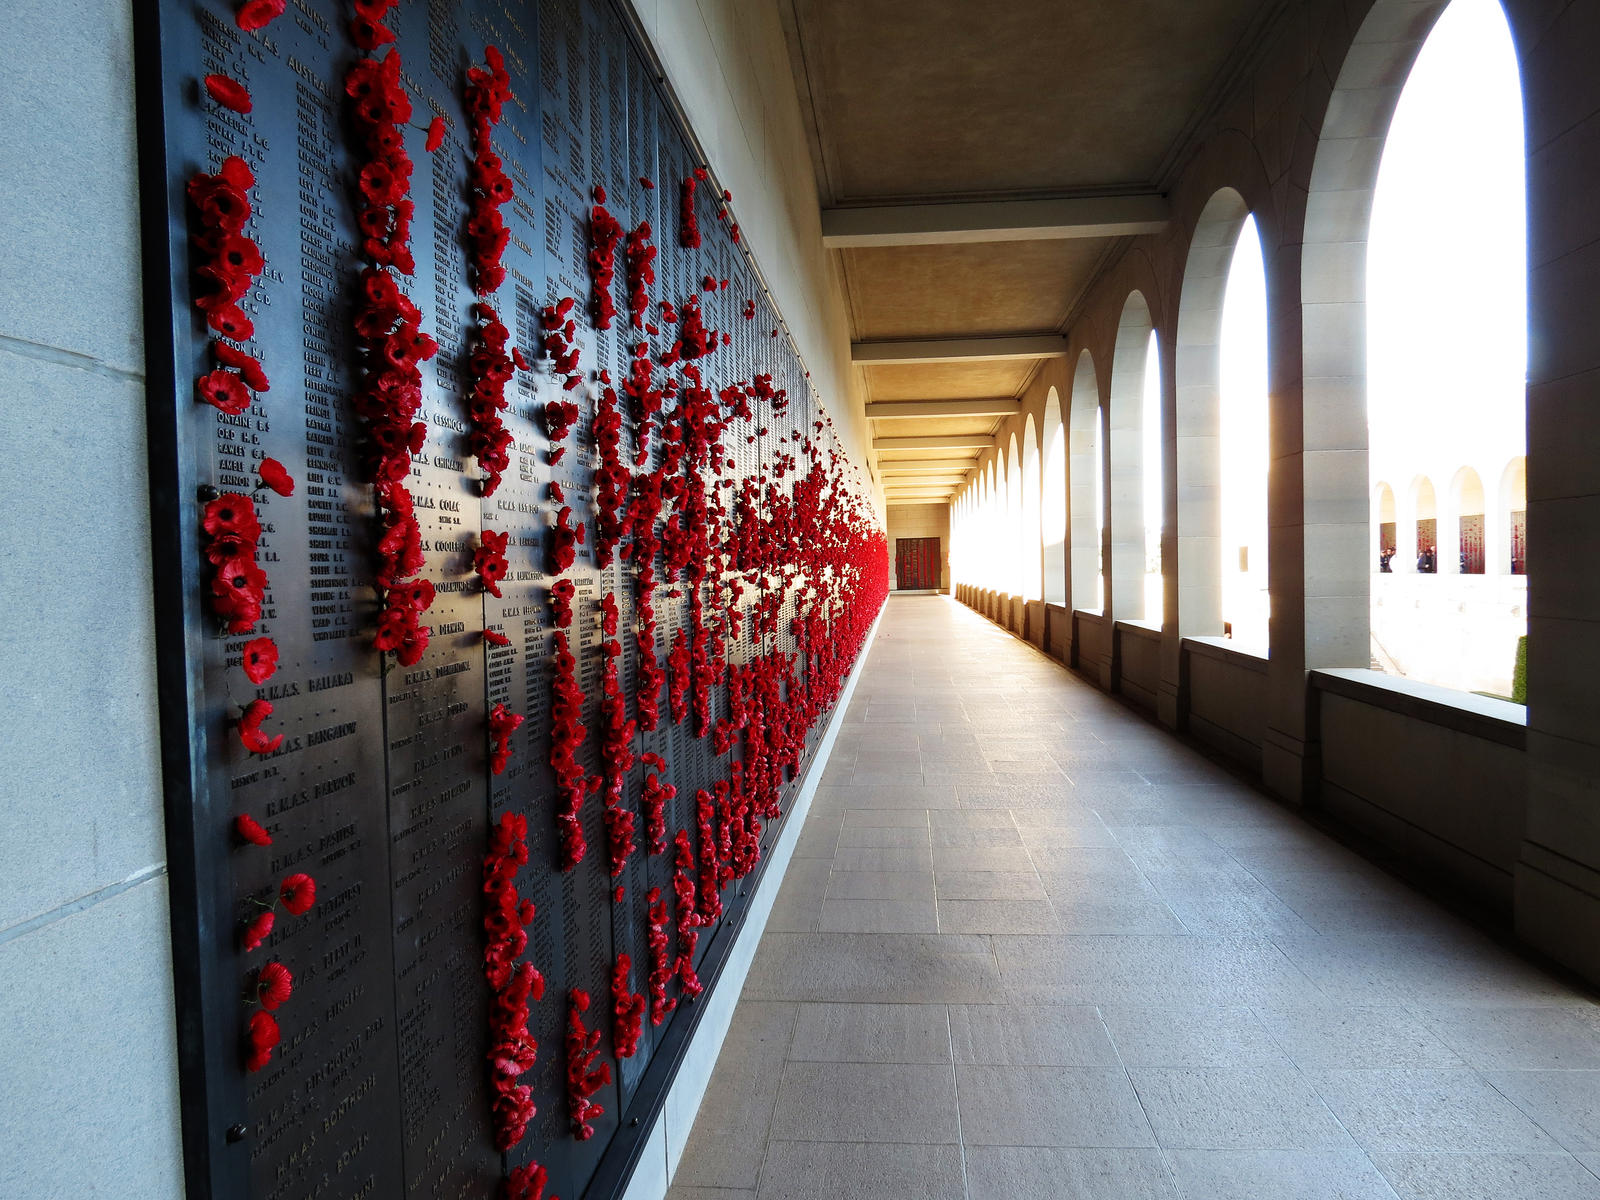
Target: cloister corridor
1032 946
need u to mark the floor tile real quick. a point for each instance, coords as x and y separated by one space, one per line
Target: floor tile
1566 1104
1277 1175
860 1171
871 1033
1053 1173
1191 1037
1419 1109
878 916
1250 1109
1337 1036
1032 1035
1049 1106
865 1102
1488 1177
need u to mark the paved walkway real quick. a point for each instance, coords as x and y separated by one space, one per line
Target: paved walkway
1032 947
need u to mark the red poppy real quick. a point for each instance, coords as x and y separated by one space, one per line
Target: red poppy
258 14
229 320
274 476
520 359
248 365
251 830
232 514
298 892
495 638
259 928
229 93
223 390
260 659
435 135
274 985
527 1182
237 591
263 1037
250 733
646 183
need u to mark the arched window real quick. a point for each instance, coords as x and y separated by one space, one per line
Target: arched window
1030 546
1011 535
1385 531
1053 508
1447 352
1245 448
1512 555
1424 527
1466 499
1084 486
1126 454
1155 596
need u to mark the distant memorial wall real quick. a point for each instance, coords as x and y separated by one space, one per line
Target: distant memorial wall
508 569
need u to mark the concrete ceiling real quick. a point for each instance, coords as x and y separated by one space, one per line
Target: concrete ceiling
977 166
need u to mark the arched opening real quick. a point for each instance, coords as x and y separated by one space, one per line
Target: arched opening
1245 450
1155 596
1084 487
1053 504
1384 528
1030 546
1447 351
1011 535
1125 453
1466 499
1197 426
994 523
1424 526
1513 523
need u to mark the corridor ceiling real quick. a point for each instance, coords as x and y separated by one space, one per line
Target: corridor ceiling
978 166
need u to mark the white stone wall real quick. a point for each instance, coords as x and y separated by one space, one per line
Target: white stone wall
89 1104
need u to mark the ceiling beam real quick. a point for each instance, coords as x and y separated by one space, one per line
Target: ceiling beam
942 441
891 409
968 349
904 501
994 221
917 466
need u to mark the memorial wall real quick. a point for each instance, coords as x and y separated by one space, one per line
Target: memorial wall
508 568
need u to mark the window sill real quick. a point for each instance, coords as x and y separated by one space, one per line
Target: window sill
1141 629
1478 716
1226 650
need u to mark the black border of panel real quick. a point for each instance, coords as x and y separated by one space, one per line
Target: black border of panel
197 888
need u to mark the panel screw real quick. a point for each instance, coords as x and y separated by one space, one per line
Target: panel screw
633 1124
207 491
237 1133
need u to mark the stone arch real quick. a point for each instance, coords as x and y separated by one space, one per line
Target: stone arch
1030 541
1197 429
1083 486
1125 453
1053 507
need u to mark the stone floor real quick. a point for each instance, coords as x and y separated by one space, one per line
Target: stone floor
1030 946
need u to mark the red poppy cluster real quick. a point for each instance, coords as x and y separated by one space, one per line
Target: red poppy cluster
688 915
388 325
274 983
489 369
258 14
662 966
616 756
502 724
489 188
613 516
688 222
654 800
566 736
489 559
605 232
230 262
627 1007
585 1075
506 918
526 1182
639 264
565 538
238 585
